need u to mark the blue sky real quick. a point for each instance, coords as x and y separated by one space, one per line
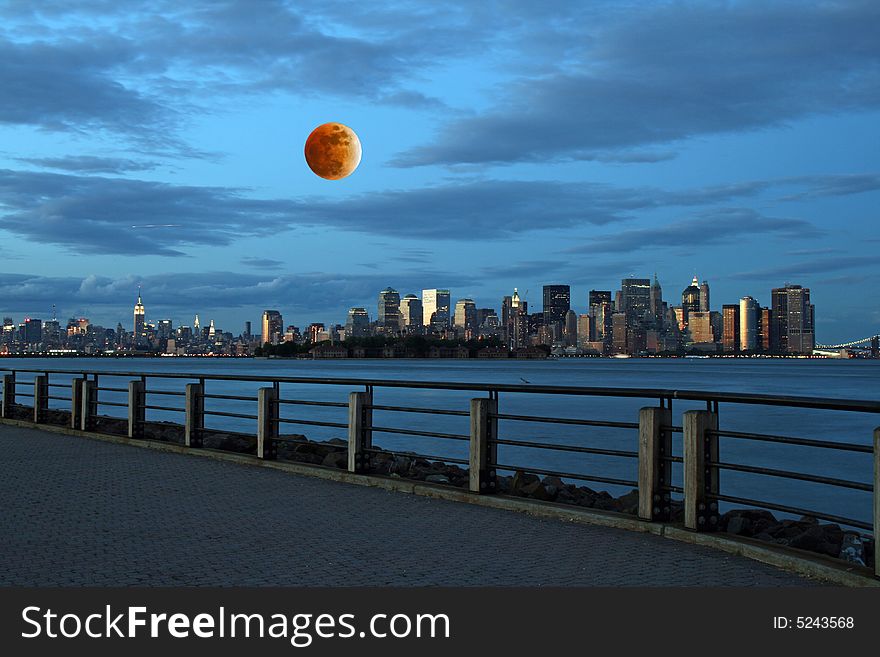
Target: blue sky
504 144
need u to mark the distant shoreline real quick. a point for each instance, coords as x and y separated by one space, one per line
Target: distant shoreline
423 358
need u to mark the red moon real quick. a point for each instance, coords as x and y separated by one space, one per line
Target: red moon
333 151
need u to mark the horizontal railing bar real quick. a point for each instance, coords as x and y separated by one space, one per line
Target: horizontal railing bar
235 397
672 459
567 448
830 481
173 393
106 403
204 430
672 489
103 389
414 432
306 402
225 414
165 408
56 397
58 385
415 409
314 423
673 428
427 457
856 405
562 420
566 475
793 510
790 440
24 394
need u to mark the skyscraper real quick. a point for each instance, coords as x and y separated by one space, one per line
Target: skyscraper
411 313
690 299
656 302
793 319
465 314
748 324
273 327
139 334
357 325
730 318
704 297
570 333
388 319
635 299
435 309
557 302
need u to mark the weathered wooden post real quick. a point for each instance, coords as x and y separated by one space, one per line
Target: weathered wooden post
360 433
877 501
89 404
137 414
267 423
195 414
76 404
655 472
483 448
41 397
700 478
8 394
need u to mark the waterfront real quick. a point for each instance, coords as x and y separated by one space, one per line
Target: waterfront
855 379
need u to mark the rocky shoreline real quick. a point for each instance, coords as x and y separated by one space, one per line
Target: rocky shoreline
805 533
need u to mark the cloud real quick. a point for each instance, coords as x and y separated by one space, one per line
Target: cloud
90 164
262 263
667 72
808 267
716 226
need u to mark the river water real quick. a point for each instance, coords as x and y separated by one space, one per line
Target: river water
849 379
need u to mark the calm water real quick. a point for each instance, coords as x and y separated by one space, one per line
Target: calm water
853 379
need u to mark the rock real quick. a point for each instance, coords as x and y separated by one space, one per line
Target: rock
754 515
437 479
336 460
338 441
739 526
520 481
810 520
813 539
536 490
629 503
852 549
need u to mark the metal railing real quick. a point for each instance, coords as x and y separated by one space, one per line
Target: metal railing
650 443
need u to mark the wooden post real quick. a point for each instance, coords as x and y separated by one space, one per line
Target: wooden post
41 397
267 423
76 407
89 404
700 478
360 433
8 394
195 414
137 399
483 449
877 502
655 472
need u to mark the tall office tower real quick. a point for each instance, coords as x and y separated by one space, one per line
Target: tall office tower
483 314
748 324
388 318
690 299
465 314
656 302
52 333
411 313
596 299
704 297
717 325
139 335
32 333
602 322
212 330
197 327
584 330
765 329
247 331
514 320
635 299
357 325
557 302
164 329
570 333
435 309
506 323
793 317
316 332
619 332
700 327
730 335
273 327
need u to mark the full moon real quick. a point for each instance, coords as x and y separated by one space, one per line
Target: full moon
333 151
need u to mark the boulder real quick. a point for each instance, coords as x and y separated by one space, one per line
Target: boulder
629 503
740 526
336 460
536 490
437 479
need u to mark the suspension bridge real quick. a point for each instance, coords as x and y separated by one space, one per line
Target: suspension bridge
851 343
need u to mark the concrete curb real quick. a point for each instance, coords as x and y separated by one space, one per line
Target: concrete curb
793 560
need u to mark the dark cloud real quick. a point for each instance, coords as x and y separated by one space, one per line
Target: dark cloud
666 72
711 227
808 268
262 263
90 164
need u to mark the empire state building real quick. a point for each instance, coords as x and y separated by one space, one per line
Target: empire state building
139 332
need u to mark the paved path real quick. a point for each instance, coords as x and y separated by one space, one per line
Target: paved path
77 512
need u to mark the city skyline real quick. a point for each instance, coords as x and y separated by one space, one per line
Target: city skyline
161 146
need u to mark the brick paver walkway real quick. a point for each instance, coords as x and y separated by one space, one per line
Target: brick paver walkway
78 512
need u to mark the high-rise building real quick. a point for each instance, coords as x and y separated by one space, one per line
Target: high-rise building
357 325
570 332
273 327
584 330
139 334
515 317
748 324
730 319
411 313
619 332
247 331
388 319
765 329
700 327
435 309
600 310
656 302
635 299
164 329
557 302
704 297
690 299
793 320
32 331
465 315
